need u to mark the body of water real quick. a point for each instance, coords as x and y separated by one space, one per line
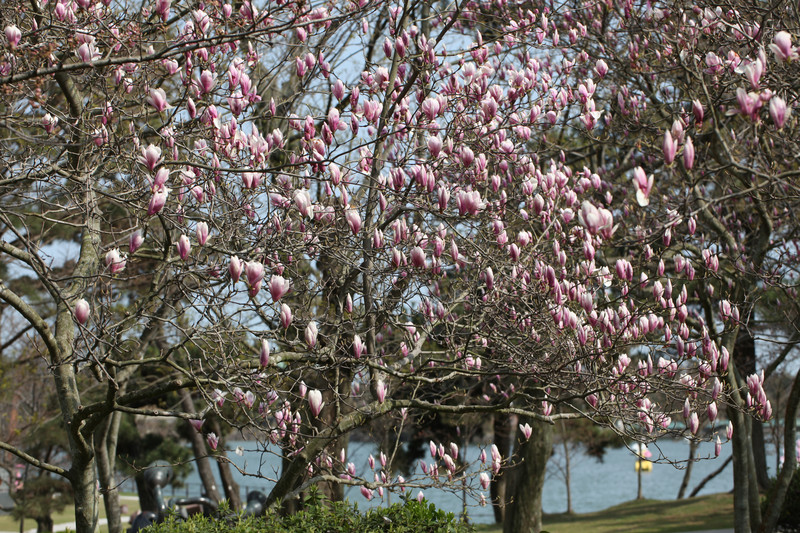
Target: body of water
595 485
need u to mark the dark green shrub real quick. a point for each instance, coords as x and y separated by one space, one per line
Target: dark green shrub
332 517
410 517
789 519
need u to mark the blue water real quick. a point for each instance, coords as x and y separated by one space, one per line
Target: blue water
595 485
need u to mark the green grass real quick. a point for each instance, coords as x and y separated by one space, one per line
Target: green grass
8 523
645 516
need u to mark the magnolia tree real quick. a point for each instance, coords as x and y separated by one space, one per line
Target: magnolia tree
692 132
318 215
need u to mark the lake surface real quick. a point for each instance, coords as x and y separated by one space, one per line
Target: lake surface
595 485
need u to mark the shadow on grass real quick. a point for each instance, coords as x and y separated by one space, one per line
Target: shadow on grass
656 516
644 516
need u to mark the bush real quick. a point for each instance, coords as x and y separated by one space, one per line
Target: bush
410 516
789 519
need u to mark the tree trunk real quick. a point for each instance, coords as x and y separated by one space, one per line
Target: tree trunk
289 506
777 494
199 450
331 490
497 489
760 455
44 524
745 357
639 492
230 486
752 478
526 480
567 468
83 472
105 444
84 487
741 499
687 475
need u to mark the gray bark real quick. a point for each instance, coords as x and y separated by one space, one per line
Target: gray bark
567 467
105 443
200 453
741 499
777 494
230 486
526 480
687 475
752 478
497 489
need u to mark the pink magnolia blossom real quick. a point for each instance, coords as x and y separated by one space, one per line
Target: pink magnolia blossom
688 154
670 147
779 111
87 52
601 68
286 316
311 334
434 146
358 346
338 90
353 220
781 46
643 186
207 82
264 354
114 261
162 9
135 241
202 233
158 200
49 123
381 389
469 202
158 99
82 311
184 247
595 220
151 156
315 402
254 271
697 111
13 35
693 423
712 411
197 424
251 180
418 257
278 287
213 441
235 268
526 430
303 202
749 104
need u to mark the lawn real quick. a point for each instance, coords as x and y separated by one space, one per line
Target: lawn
8 523
645 516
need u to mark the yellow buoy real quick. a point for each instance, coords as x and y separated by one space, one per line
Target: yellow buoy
644 465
